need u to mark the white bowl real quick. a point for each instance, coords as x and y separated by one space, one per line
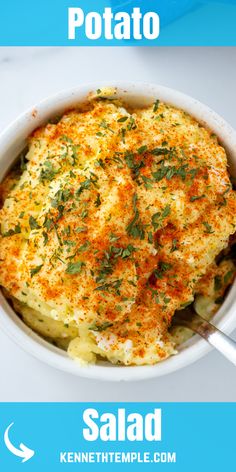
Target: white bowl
13 141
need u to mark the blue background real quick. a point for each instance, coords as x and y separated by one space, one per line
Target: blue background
202 435
183 22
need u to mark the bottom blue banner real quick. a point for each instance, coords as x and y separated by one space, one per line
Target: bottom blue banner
135 436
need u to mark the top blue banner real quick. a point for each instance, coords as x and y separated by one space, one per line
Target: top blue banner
118 23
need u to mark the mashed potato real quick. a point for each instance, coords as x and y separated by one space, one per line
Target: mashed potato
113 223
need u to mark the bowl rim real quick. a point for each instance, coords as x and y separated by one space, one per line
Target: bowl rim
15 135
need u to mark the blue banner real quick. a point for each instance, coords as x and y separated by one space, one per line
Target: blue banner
118 23
147 436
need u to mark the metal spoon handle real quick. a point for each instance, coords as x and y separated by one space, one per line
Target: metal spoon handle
214 336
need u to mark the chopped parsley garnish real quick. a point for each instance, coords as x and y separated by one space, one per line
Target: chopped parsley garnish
97 202
33 223
72 147
155 295
66 139
35 270
109 259
105 125
171 171
84 214
107 287
150 237
68 242
160 151
158 217
22 162
113 237
131 125
11 232
48 172
122 119
48 223
123 133
136 228
128 251
209 229
81 229
100 163
101 327
74 267
196 197
86 184
84 246
129 159
148 183
142 149
156 106
45 236
132 164
174 245
162 268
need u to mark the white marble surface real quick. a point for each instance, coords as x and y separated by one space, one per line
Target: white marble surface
30 74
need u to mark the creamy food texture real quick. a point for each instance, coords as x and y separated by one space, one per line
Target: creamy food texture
113 223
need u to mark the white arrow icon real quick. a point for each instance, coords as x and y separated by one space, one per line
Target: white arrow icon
23 450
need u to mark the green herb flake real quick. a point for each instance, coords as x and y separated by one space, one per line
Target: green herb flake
105 125
11 232
74 268
142 149
66 139
196 197
113 238
135 228
123 133
81 229
33 223
84 246
209 229
48 172
97 202
174 246
162 268
23 165
122 119
128 251
150 237
45 238
100 163
158 217
156 106
148 183
101 327
35 270
110 286
131 125
160 151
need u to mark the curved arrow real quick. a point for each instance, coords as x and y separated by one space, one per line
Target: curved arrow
23 450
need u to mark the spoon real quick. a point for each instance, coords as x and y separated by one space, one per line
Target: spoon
190 319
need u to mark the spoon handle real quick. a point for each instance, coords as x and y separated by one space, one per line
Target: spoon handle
210 333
